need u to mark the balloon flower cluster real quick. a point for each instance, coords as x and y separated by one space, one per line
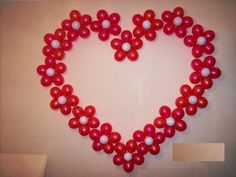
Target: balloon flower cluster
127 45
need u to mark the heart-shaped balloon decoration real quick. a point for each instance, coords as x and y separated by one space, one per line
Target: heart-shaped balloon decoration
126 45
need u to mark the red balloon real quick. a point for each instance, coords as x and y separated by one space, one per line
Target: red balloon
93 122
138 159
209 61
58 79
65 109
55 92
165 111
54 104
118 159
128 166
159 137
137 19
115 29
72 35
169 29
136 44
179 11
120 55
41 69
187 21
167 16
48 38
181 102
139 136
215 73
108 148
114 137
66 25
206 83
198 90
47 50
46 81
75 15
59 34
131 145
103 35
74 123
96 26
185 90
73 100
95 135
177 113
180 31
58 54
126 35
197 30
60 68
142 148
154 149
169 132
149 129
195 77
190 41
50 62
149 14
132 55
197 51
66 45
157 24
67 90
138 31
120 148
89 111
159 122
210 35
191 110
97 146
106 128
116 44
102 15
114 18
77 111
202 102
86 19
84 130
196 64
84 32
209 48
180 125
150 35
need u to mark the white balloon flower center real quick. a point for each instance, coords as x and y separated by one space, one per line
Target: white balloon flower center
177 21
201 40
127 156
148 141
104 139
170 121
55 44
83 120
106 24
205 72
192 99
126 47
146 24
75 25
61 100
50 72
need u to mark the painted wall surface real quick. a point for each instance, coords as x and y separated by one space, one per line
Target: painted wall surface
126 94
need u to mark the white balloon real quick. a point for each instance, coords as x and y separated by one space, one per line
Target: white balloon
201 40
103 139
75 25
148 140
127 156
61 100
50 72
83 120
205 72
146 24
177 21
106 24
55 44
170 121
126 46
192 99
